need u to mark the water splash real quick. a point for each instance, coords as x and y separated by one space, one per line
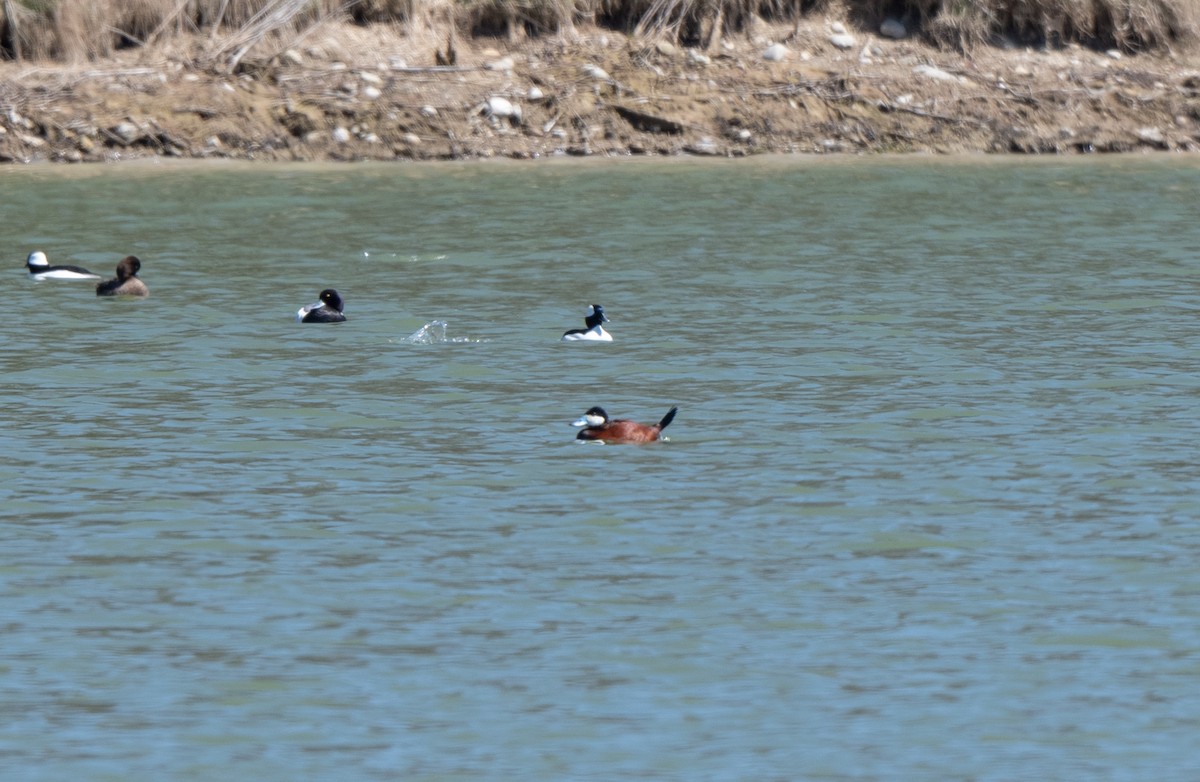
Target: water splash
434 333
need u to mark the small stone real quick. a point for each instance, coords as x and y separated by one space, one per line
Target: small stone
428 111
595 71
372 93
666 49
502 64
842 41
775 53
412 139
127 132
698 58
838 28
1114 54
1152 136
535 94
292 57
340 135
371 78
893 28
932 72
501 107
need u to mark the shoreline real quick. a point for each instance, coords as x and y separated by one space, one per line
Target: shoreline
373 94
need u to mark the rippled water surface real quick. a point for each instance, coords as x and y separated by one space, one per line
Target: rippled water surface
930 508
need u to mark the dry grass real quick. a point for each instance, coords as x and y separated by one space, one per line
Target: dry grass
74 30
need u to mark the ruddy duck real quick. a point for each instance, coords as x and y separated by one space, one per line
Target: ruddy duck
327 310
599 427
594 331
126 282
40 269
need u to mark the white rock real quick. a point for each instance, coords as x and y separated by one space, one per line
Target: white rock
412 139
127 132
340 135
292 57
893 28
428 111
501 107
371 93
698 58
838 28
775 53
932 72
1151 135
741 134
370 78
503 64
1114 54
842 40
535 93
595 71
666 48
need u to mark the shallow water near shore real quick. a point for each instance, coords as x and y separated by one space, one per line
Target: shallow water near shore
929 510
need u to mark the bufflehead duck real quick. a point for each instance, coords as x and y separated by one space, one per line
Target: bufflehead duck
594 331
40 269
327 310
126 282
599 427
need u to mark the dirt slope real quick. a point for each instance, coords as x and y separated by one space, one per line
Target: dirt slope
366 93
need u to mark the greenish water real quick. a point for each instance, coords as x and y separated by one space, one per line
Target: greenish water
929 509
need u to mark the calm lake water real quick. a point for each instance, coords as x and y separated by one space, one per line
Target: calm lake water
930 509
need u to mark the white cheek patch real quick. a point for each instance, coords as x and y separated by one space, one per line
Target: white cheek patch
594 420
38 259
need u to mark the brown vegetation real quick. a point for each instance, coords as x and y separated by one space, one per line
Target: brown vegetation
73 30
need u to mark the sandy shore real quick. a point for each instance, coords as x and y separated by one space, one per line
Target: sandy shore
354 93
